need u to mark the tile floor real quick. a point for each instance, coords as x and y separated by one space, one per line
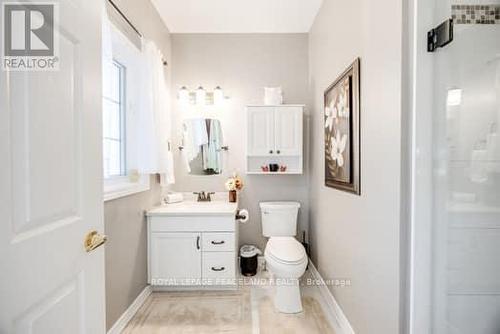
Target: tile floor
248 310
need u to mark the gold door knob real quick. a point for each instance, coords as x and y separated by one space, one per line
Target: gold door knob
93 240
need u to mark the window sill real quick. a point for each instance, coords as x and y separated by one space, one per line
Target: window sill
118 189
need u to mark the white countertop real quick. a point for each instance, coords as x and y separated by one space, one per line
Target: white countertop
191 208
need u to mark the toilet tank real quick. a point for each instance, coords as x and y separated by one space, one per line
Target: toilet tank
279 219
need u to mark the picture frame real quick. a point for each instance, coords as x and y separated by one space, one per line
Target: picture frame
341 113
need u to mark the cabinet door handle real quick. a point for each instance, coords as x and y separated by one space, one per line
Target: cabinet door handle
198 242
278 151
218 269
218 242
270 151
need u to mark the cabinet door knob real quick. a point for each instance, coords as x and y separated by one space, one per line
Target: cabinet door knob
278 151
218 269
270 151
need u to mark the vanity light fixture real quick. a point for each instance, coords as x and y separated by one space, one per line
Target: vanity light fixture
201 97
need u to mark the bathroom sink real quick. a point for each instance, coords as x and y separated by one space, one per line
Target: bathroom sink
191 208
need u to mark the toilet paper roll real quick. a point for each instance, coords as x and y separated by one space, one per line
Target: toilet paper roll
242 216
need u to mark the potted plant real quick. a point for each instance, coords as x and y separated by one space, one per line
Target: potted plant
233 184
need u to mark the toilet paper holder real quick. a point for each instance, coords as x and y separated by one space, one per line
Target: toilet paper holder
242 216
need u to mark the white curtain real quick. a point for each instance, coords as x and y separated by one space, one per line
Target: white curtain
148 113
155 151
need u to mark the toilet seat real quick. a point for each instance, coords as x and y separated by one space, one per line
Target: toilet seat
286 250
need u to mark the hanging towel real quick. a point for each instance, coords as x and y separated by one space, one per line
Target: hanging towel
194 136
200 134
212 155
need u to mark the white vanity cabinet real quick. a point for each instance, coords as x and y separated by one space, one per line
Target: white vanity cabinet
195 249
185 266
275 135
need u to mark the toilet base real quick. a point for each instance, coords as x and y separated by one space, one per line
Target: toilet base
287 298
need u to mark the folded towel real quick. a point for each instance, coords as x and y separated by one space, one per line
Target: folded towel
174 197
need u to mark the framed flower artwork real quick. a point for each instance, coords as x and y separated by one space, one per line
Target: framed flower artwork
342 131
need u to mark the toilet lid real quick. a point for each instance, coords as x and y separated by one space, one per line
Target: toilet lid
286 249
279 205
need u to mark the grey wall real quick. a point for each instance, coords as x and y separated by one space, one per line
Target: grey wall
242 64
126 256
357 237
126 249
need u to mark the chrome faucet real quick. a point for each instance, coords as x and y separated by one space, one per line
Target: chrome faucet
203 196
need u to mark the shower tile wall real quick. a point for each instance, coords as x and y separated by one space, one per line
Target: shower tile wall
476 14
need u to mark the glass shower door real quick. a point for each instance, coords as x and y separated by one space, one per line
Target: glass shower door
465 272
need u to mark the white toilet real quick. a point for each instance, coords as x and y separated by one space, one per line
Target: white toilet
285 257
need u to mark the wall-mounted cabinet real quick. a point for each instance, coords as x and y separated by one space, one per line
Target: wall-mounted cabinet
274 136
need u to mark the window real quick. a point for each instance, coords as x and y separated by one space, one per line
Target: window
123 68
114 160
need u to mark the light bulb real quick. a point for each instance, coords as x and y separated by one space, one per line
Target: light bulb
184 95
218 96
200 96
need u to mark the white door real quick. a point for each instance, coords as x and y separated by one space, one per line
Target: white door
50 185
175 258
260 130
288 130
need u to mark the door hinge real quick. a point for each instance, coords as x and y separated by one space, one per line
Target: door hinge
440 36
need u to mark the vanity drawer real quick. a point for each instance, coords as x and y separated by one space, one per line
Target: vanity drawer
218 242
219 268
191 223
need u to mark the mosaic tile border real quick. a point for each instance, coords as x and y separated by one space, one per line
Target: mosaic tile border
475 14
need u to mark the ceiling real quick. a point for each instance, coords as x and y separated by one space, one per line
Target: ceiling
238 16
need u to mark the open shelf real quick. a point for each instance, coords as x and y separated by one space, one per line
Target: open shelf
274 173
292 162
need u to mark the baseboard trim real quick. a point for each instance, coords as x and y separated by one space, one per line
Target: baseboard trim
124 319
343 325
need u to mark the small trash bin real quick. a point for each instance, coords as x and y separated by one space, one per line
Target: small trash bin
249 263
